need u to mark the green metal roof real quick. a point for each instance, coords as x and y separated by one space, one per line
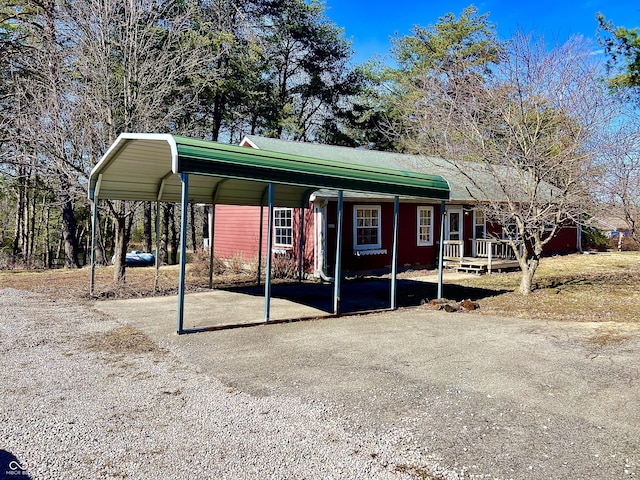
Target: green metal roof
146 167
462 189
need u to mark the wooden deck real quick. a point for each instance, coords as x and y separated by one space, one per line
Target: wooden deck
481 265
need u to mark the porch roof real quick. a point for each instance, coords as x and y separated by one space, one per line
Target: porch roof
146 167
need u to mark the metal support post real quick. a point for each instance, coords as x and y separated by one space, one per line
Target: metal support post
267 282
338 272
260 240
184 177
301 246
94 221
443 214
157 262
212 229
394 255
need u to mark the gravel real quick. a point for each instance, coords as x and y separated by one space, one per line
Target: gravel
84 396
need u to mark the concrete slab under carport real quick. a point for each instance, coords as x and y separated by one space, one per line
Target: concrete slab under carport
213 308
241 306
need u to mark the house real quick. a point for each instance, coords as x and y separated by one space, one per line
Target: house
614 228
470 242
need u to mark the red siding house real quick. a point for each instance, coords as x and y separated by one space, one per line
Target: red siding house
368 221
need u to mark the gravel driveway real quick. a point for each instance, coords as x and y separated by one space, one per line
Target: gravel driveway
106 393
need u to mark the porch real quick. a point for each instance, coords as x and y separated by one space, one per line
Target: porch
487 255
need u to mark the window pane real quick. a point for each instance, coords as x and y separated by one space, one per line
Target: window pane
425 225
367 226
283 226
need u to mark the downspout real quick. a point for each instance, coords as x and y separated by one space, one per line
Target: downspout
321 272
338 272
579 237
443 214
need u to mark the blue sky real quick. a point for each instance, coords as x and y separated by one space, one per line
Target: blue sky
370 23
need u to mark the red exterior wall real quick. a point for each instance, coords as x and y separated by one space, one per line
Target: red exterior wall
565 241
237 232
409 252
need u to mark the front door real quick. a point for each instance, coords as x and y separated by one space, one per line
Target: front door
454 247
454 224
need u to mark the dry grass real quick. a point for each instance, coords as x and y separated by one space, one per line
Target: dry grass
139 282
122 340
601 287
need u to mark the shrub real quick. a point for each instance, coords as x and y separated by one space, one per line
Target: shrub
200 264
284 265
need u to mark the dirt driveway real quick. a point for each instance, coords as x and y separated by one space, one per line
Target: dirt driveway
492 397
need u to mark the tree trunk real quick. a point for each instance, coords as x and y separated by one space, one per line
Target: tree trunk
69 233
19 213
194 237
99 252
120 251
164 236
47 238
31 239
528 272
174 237
147 247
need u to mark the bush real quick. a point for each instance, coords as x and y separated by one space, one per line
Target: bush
284 265
200 264
594 239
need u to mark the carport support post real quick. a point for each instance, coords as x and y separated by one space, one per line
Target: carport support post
212 228
338 272
260 245
301 245
157 262
183 249
94 221
267 281
394 256
443 214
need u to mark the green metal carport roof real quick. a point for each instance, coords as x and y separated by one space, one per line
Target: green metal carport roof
170 168
145 167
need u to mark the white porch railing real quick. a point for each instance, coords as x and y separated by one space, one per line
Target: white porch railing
453 249
491 249
494 249
486 248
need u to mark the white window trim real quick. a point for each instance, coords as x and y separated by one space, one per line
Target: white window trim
421 243
475 224
371 246
275 243
449 211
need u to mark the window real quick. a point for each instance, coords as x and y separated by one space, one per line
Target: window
510 231
425 226
479 224
283 226
366 230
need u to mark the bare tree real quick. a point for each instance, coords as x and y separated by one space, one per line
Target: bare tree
532 127
619 191
48 137
136 59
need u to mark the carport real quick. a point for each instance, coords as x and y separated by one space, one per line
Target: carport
170 168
